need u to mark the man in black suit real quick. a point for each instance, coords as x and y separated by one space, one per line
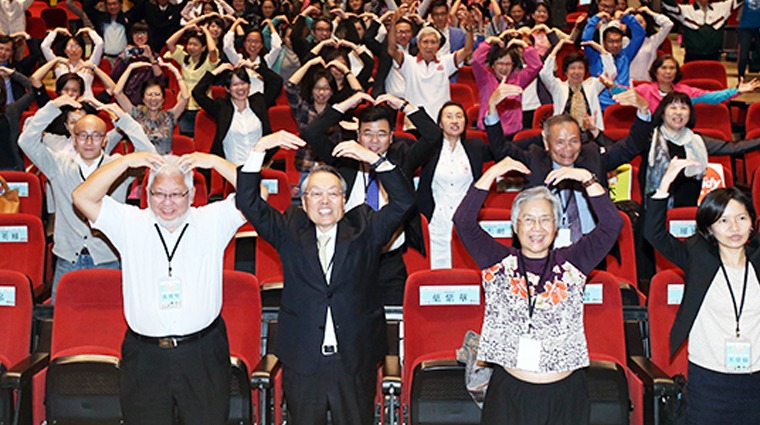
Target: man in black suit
375 133
331 320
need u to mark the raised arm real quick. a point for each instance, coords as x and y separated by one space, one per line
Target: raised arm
118 91
47 43
393 50
213 51
462 54
97 45
228 43
209 161
301 72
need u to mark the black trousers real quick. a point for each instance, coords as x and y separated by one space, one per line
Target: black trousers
194 377
392 277
349 397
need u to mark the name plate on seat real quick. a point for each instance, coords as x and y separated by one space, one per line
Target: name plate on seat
592 293
14 234
675 293
497 228
7 296
683 228
450 295
22 187
271 184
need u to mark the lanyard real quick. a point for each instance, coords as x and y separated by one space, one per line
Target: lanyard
532 303
81 174
737 311
166 248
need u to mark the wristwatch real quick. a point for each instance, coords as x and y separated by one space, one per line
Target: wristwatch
590 181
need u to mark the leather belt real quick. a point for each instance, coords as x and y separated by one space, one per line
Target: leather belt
170 342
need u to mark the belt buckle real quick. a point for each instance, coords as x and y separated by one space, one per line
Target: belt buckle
167 343
329 350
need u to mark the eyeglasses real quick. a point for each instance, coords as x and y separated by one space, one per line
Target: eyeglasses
322 89
379 135
96 137
318 194
170 196
530 221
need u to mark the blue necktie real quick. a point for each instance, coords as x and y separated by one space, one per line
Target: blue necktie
373 192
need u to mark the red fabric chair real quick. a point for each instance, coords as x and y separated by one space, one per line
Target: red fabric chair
714 116
412 258
30 190
436 331
205 127
525 134
619 116
662 313
281 118
703 83
22 247
498 220
752 159
626 266
476 134
541 114
502 200
463 94
467 78
616 133
282 99
682 214
36 27
472 115
714 70
182 145
55 18
753 119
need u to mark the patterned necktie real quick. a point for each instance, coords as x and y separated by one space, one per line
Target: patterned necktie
373 192
573 217
578 107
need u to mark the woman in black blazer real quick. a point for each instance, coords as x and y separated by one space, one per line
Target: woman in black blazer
453 166
720 310
237 129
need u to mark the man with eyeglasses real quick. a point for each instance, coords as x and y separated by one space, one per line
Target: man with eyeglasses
175 354
375 133
331 320
75 246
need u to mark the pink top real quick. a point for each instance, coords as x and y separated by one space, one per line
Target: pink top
651 92
510 109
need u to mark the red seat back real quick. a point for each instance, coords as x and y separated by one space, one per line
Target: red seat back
182 145
205 127
29 188
541 114
281 118
412 258
241 311
714 70
702 83
662 313
687 215
713 116
55 18
22 247
16 317
603 322
626 266
619 116
463 94
752 122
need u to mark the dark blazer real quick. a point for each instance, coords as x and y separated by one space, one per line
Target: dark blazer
597 159
222 110
696 256
353 293
407 157
478 152
100 18
686 190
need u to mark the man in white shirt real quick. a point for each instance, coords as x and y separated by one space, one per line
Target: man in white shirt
175 355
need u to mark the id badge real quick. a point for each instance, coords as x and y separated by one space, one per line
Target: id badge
170 291
563 238
738 355
528 354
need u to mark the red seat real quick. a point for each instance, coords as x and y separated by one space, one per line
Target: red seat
702 83
281 118
752 159
662 312
412 258
15 340
282 98
753 119
205 128
626 266
497 222
526 134
36 27
714 70
463 94
713 116
22 247
29 190
502 200
55 18
685 218
476 134
472 115
541 114
616 133
467 78
182 145
619 116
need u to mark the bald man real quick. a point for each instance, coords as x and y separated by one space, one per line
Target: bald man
75 245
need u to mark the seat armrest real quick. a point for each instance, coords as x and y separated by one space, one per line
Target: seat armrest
262 376
649 373
24 370
391 383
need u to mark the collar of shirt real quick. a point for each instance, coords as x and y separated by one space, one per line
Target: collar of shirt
419 58
332 233
171 236
88 169
697 6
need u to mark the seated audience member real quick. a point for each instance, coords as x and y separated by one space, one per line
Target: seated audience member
138 51
71 49
666 74
453 37
375 133
337 53
10 113
75 246
388 78
13 21
157 123
576 96
24 66
201 8
199 56
163 18
537 348
331 318
321 30
612 40
562 148
113 23
254 53
702 25
512 62
241 118
427 75
654 37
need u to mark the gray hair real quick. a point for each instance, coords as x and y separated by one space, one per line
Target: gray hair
534 194
428 31
325 169
559 119
171 167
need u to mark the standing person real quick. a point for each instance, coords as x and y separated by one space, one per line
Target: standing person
654 38
175 354
538 347
749 30
13 21
113 23
332 322
703 25
720 310
75 246
138 51
10 113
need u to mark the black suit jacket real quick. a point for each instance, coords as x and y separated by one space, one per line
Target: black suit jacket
353 293
100 18
407 157
222 110
697 257
597 159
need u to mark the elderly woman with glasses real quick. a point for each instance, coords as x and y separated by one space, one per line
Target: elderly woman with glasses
533 326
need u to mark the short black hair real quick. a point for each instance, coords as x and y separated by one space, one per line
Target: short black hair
318 20
612 30
225 78
139 26
497 52
571 59
452 103
438 3
659 62
150 82
374 113
65 78
714 205
310 80
61 40
5 39
674 97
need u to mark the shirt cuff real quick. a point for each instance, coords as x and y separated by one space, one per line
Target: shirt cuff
644 117
491 119
254 162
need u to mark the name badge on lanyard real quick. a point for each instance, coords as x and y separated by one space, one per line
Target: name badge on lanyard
738 355
170 292
563 238
528 354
